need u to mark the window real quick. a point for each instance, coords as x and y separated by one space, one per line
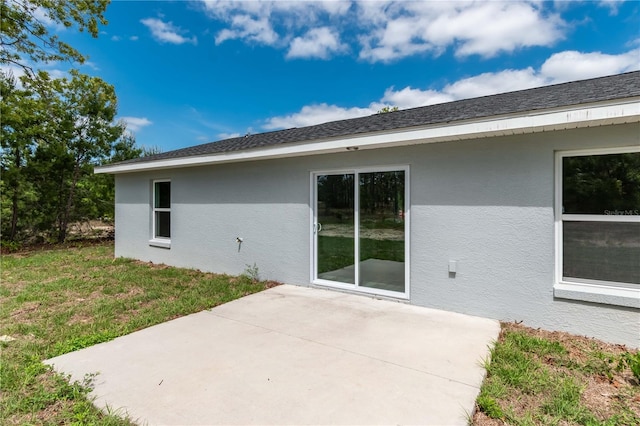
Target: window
598 221
162 210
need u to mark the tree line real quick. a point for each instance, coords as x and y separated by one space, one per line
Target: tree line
54 130
601 184
381 195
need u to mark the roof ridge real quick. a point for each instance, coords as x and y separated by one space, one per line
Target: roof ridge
596 89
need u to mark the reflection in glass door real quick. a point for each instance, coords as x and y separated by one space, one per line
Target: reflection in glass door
381 230
360 230
335 227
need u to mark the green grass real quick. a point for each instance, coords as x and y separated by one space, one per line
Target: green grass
533 380
56 301
338 252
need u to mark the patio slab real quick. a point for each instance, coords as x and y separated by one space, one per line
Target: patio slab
294 355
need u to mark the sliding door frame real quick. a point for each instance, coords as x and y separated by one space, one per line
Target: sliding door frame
313 204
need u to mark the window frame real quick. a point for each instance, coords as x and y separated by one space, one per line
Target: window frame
156 240
595 291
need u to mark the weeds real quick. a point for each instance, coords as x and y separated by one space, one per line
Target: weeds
9 246
535 380
252 272
633 362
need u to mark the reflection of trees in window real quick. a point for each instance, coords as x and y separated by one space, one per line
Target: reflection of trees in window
601 184
382 199
381 196
601 205
382 193
335 196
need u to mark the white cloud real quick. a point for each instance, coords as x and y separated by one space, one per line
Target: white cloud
246 27
317 43
115 38
316 114
43 17
18 71
15 72
572 65
228 135
135 124
409 97
495 82
133 38
292 24
612 5
52 68
57 73
389 30
166 32
560 67
91 65
470 28
493 27
397 39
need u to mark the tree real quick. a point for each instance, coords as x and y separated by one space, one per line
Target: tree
96 193
24 36
53 132
595 184
80 133
20 127
388 109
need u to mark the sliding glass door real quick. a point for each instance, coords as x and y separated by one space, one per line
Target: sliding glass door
382 228
335 230
360 224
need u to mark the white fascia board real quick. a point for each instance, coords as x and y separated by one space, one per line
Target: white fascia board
537 121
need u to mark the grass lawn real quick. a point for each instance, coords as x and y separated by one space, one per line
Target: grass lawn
537 377
59 300
338 252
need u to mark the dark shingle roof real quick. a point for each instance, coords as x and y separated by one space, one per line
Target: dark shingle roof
554 96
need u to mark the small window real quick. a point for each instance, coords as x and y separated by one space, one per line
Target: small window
599 224
162 209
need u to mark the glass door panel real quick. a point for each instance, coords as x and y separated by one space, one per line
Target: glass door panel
382 230
335 230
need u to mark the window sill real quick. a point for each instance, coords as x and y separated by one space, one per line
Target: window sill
160 242
597 293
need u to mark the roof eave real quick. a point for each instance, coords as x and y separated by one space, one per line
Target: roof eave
580 116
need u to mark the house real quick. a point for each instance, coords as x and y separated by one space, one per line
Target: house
522 206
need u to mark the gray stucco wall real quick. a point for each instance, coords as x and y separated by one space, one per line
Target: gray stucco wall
486 203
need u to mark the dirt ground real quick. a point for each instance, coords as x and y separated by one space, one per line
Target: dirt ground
338 230
92 228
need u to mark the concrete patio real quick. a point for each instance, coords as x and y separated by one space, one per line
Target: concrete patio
294 355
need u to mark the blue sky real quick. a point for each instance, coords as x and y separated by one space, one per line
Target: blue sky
190 72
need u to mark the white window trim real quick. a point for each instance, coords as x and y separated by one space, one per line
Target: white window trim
407 240
595 291
157 241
